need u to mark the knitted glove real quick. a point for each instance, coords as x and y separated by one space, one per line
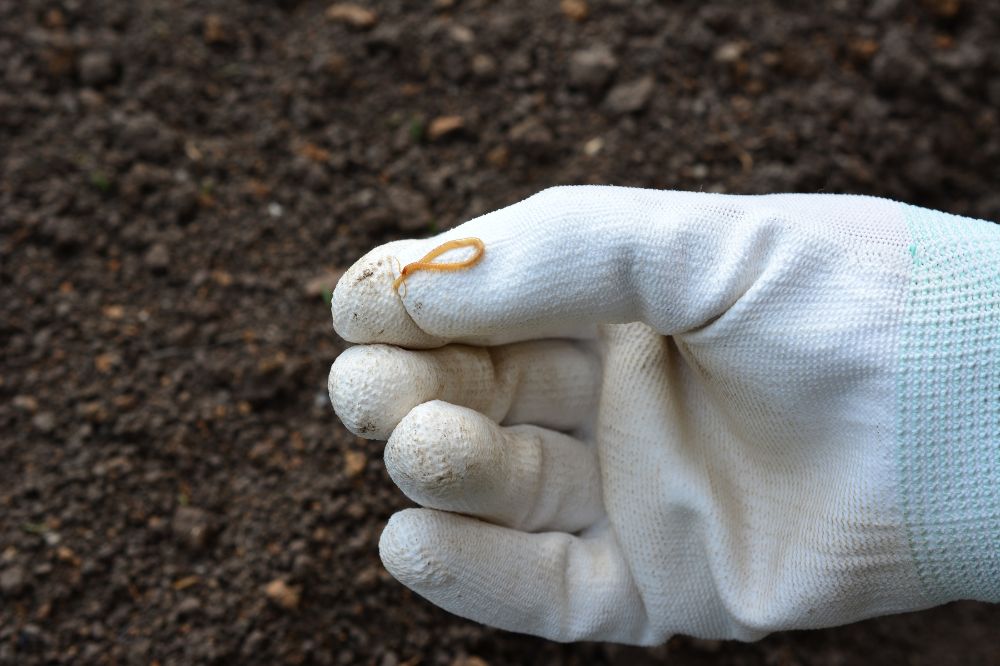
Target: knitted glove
645 413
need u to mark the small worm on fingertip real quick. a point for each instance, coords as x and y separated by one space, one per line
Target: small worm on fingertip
426 263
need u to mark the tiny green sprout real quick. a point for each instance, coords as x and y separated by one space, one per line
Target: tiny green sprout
35 528
101 181
416 129
327 295
432 226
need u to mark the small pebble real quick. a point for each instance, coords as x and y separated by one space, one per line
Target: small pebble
98 68
443 126
592 68
44 422
192 526
282 594
576 10
631 96
157 257
13 580
353 15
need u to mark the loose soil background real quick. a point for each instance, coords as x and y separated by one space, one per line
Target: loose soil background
180 181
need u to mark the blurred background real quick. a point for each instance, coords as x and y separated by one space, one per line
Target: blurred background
182 182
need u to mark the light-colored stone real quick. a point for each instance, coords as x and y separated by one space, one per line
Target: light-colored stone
353 15
443 126
283 594
631 96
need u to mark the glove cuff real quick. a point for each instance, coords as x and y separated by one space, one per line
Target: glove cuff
948 406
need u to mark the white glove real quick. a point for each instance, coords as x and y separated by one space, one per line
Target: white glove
785 412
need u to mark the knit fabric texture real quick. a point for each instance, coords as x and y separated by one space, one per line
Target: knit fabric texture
949 405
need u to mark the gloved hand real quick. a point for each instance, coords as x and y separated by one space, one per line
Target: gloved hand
721 415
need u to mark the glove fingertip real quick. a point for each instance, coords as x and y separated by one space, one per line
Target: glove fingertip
364 390
406 552
366 307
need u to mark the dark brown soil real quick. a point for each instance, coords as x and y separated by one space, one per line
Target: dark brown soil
180 181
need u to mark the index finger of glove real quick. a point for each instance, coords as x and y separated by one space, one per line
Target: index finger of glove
540 275
563 261
502 298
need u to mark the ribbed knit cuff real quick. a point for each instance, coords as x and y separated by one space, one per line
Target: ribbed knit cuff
949 405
